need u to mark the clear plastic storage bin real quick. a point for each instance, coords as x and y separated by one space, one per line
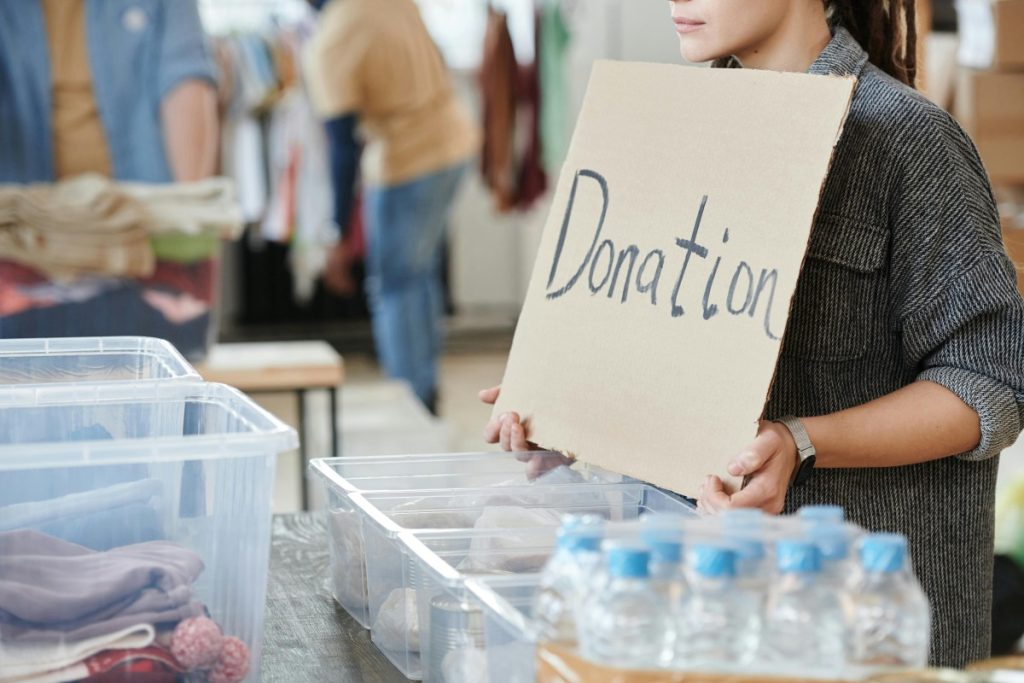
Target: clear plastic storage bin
420 611
344 477
167 485
445 471
90 359
509 650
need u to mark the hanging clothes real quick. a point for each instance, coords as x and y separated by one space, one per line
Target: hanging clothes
553 42
499 73
532 181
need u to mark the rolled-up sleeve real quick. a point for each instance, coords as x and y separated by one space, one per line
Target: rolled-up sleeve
184 54
954 292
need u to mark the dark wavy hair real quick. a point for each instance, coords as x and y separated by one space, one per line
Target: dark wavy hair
886 29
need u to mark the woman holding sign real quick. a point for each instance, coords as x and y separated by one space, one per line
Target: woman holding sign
901 377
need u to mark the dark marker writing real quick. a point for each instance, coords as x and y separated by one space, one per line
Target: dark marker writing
691 247
612 268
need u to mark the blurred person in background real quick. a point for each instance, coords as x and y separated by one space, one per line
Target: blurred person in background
372 66
123 88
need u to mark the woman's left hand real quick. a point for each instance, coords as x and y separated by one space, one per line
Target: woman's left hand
767 466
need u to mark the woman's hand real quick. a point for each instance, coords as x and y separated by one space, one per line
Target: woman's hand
767 467
508 430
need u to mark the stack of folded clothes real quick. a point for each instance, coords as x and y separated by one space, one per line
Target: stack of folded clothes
91 257
68 613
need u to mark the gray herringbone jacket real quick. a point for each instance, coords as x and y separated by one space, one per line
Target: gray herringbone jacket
907 279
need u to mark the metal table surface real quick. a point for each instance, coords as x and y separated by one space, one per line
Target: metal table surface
307 637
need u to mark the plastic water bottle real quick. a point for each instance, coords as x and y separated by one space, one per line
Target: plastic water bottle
625 624
744 532
664 539
829 514
891 623
717 623
804 625
833 543
565 580
743 515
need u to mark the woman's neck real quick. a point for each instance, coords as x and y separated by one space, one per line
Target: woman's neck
794 47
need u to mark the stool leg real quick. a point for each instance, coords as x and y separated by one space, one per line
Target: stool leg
335 424
303 476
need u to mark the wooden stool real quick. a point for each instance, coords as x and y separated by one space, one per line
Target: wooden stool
282 367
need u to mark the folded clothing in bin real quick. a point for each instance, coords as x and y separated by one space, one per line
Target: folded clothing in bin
100 507
52 590
61 604
509 552
100 519
488 508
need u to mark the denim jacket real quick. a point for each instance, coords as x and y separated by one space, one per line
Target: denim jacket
139 50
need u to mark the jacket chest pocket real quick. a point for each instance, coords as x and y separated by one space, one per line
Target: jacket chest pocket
833 309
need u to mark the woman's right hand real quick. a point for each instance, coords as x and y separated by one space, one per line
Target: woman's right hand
506 429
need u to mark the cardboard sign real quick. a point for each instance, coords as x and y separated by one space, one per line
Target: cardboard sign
652 324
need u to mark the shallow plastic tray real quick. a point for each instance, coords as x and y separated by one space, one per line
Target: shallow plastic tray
441 471
423 474
509 636
420 611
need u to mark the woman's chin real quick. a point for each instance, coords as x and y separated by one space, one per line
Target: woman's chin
694 52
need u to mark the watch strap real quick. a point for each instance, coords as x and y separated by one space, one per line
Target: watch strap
805 451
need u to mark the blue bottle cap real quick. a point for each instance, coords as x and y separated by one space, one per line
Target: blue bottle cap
741 515
831 540
748 548
582 521
581 533
794 556
822 513
883 553
665 550
628 561
663 536
744 528
713 561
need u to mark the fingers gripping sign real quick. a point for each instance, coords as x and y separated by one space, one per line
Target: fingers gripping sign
767 467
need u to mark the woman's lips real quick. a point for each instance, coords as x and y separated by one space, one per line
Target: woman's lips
684 25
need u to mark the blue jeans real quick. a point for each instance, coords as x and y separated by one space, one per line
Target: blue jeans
405 226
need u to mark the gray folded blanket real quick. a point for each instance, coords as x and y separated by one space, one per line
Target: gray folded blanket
52 590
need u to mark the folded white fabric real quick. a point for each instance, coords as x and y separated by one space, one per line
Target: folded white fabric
90 225
203 206
20 660
397 625
522 542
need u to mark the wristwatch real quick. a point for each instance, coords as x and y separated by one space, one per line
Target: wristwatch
805 453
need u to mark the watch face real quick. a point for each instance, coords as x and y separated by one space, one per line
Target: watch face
805 470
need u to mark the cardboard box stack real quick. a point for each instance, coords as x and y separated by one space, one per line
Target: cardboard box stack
990 89
989 100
